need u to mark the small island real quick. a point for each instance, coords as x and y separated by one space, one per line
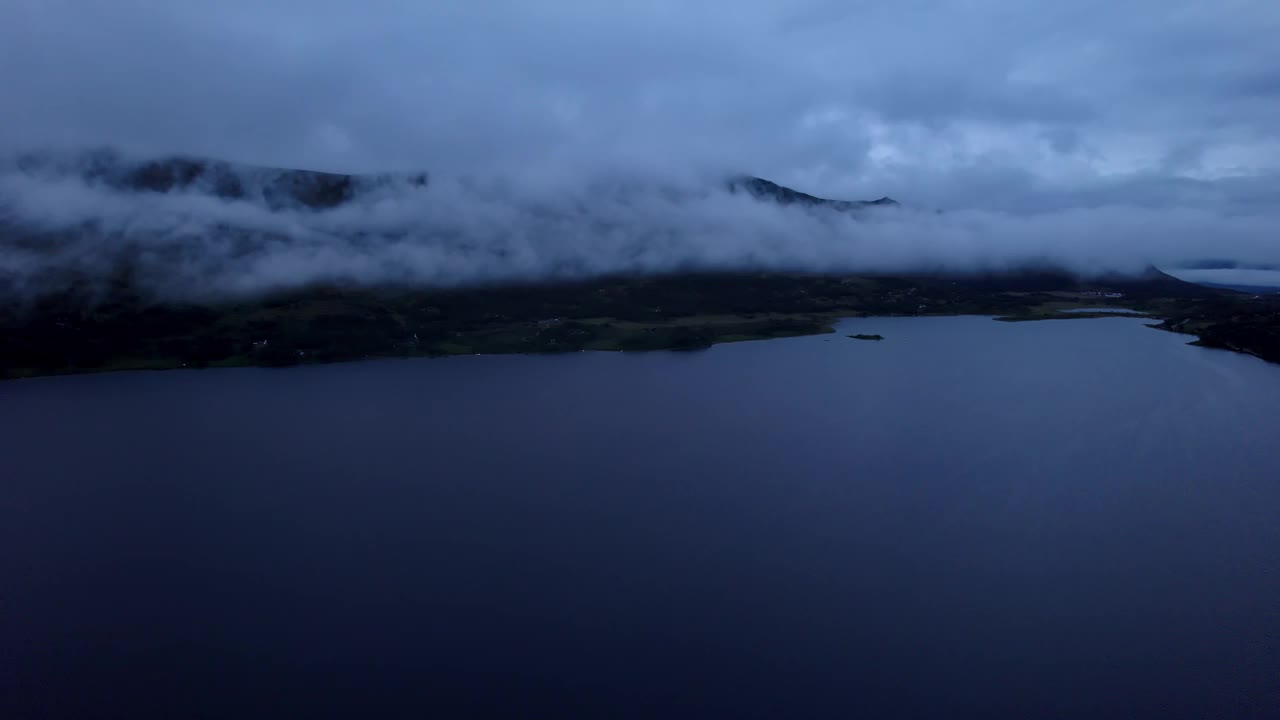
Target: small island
860 336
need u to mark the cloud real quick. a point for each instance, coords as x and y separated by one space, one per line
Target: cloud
833 95
1115 131
69 225
1242 277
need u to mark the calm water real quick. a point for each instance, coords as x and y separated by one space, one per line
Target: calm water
970 519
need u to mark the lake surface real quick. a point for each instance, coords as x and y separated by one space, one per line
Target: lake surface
969 519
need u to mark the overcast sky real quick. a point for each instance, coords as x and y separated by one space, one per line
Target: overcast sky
953 103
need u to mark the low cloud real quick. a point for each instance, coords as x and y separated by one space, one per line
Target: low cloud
66 228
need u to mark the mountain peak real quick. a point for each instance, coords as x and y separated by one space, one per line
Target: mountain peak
763 189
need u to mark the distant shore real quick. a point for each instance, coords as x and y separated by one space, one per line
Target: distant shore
329 324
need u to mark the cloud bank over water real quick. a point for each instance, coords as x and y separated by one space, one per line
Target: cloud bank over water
79 219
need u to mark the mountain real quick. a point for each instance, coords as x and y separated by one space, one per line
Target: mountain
282 188
202 283
763 189
277 188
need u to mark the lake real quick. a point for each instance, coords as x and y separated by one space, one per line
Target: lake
1062 519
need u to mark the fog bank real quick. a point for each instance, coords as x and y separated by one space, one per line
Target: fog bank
71 222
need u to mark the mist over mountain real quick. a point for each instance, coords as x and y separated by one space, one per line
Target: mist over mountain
190 228
272 188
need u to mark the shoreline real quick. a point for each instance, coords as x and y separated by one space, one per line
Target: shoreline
65 335
817 324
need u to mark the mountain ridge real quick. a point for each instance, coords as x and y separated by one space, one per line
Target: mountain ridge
763 189
281 188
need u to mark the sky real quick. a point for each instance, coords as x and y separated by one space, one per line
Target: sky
957 103
1016 109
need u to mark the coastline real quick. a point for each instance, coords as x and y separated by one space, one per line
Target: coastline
712 333
125 331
